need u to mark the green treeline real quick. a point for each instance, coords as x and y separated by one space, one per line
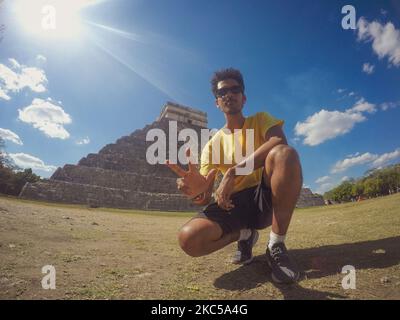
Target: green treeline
375 183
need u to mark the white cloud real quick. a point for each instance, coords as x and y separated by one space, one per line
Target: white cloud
10 136
19 78
374 160
386 158
341 90
353 155
83 141
47 117
4 95
343 165
322 179
389 105
385 39
351 94
14 63
384 12
26 161
41 58
295 140
325 125
32 78
368 68
324 188
363 106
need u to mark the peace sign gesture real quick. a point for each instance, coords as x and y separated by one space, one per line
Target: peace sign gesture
191 182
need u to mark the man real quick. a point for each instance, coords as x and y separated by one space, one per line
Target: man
243 203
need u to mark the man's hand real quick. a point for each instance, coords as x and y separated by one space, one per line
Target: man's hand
224 191
191 182
200 199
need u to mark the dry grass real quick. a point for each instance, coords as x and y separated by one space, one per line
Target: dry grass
126 254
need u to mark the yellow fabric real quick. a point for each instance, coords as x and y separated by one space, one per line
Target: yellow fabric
260 122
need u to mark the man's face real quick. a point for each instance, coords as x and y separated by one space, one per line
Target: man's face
230 98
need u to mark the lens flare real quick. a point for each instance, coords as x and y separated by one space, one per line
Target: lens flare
57 19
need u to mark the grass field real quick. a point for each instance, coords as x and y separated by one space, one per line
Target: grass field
126 254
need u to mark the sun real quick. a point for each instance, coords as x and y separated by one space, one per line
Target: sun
57 19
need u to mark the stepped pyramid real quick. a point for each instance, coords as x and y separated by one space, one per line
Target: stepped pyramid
118 176
309 199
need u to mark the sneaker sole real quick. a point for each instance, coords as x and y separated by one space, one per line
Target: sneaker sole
276 280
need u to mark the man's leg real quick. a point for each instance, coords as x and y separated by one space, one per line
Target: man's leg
202 236
284 177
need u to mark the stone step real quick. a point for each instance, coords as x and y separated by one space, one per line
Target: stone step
129 152
120 163
96 196
116 179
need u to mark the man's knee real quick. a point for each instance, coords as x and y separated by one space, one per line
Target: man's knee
189 241
282 154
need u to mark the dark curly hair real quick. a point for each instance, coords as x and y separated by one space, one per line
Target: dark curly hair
224 74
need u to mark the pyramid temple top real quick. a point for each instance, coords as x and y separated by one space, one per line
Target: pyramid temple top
174 111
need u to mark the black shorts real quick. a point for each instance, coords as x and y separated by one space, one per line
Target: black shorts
253 210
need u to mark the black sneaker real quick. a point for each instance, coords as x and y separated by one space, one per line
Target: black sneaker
284 269
244 254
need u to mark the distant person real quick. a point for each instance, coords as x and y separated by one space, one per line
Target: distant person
243 203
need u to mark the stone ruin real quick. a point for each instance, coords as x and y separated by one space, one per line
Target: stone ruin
309 199
118 176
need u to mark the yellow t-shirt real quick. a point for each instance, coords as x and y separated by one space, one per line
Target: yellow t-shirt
227 142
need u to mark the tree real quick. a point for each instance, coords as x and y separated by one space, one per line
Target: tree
21 178
373 187
357 189
2 152
5 160
390 177
342 192
12 178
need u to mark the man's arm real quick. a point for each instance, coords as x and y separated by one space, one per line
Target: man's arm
191 182
273 137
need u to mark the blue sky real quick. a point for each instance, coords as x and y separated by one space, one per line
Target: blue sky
65 94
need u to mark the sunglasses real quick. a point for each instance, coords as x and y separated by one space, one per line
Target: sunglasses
223 91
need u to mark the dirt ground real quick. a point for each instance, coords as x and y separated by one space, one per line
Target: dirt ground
117 254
